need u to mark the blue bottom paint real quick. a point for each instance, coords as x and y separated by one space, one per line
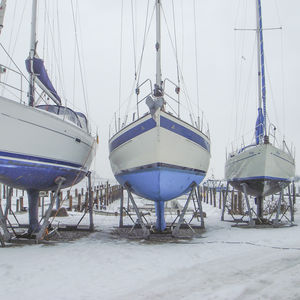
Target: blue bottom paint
35 176
160 184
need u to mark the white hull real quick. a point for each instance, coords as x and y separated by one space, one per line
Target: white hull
40 141
160 147
263 167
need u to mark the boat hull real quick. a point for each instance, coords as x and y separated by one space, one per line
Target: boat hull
159 159
264 168
36 147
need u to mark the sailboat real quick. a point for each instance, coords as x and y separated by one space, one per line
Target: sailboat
42 143
159 156
263 168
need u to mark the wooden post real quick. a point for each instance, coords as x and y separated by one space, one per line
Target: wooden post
97 197
214 196
220 198
210 196
240 203
76 193
86 201
79 203
207 195
232 202
17 205
21 204
70 203
294 193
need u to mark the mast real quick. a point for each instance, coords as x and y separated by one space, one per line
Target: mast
32 51
158 82
261 65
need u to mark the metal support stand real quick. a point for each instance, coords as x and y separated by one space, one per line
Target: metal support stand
5 236
175 232
276 220
146 231
198 211
121 208
251 222
291 204
40 235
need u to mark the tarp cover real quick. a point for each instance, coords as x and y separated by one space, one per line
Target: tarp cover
38 69
259 128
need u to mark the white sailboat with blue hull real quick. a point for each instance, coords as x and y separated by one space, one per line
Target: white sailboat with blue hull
43 142
159 156
262 168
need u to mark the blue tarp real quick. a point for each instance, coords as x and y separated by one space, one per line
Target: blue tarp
259 128
38 69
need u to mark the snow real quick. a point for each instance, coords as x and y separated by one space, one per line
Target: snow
225 263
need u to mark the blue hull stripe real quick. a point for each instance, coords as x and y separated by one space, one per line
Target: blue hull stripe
260 178
38 159
131 133
185 132
165 123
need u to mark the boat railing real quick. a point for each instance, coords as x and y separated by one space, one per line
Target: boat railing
171 95
12 83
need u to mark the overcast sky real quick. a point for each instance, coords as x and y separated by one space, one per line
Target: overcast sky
226 62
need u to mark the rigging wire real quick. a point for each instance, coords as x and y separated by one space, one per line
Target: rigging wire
79 60
176 55
196 64
133 38
190 106
54 55
146 31
60 52
74 60
15 41
282 67
120 62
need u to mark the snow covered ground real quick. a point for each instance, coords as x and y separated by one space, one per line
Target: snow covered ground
225 263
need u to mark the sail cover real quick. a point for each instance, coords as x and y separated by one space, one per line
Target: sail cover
259 129
2 12
38 69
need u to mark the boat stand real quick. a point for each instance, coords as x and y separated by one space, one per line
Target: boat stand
281 212
5 235
256 218
198 212
250 223
42 232
139 221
